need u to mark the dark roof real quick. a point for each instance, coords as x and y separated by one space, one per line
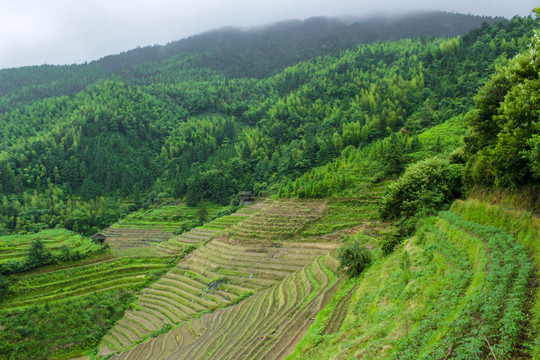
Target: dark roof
246 193
98 236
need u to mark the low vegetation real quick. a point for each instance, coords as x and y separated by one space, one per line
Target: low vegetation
450 269
60 330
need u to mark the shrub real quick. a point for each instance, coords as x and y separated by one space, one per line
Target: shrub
246 294
389 242
425 187
163 330
38 255
3 286
185 226
353 258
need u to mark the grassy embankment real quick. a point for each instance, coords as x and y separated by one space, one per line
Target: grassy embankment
465 285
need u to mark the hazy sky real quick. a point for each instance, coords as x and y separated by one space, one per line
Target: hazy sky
34 32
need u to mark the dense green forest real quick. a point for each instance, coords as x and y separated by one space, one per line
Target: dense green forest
385 123
201 134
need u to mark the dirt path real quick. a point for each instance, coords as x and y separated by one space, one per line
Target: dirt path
339 313
327 297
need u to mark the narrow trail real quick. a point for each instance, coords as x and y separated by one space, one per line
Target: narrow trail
339 313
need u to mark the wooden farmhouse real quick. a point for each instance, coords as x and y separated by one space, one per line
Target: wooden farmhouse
246 197
98 238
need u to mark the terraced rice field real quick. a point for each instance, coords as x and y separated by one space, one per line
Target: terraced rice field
223 271
125 236
14 247
348 215
279 220
150 227
265 326
64 284
200 234
77 281
212 277
176 211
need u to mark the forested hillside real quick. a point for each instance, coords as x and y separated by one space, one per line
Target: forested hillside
354 135
212 137
238 53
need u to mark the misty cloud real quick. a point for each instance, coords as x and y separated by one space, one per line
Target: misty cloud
73 31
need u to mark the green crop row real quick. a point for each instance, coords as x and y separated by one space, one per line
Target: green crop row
20 291
457 289
444 312
503 306
32 280
526 229
477 313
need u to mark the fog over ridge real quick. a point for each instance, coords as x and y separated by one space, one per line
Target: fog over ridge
34 32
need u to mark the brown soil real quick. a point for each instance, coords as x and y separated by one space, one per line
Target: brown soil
339 313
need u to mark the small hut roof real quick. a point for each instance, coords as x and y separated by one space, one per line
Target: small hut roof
246 193
98 236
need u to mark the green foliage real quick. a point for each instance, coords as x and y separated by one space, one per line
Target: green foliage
351 173
244 295
60 330
202 213
162 330
32 211
526 229
425 187
502 147
353 258
38 255
3 286
210 136
533 155
390 240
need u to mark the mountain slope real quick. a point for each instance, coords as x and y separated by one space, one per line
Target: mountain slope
258 52
376 130
212 138
460 287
